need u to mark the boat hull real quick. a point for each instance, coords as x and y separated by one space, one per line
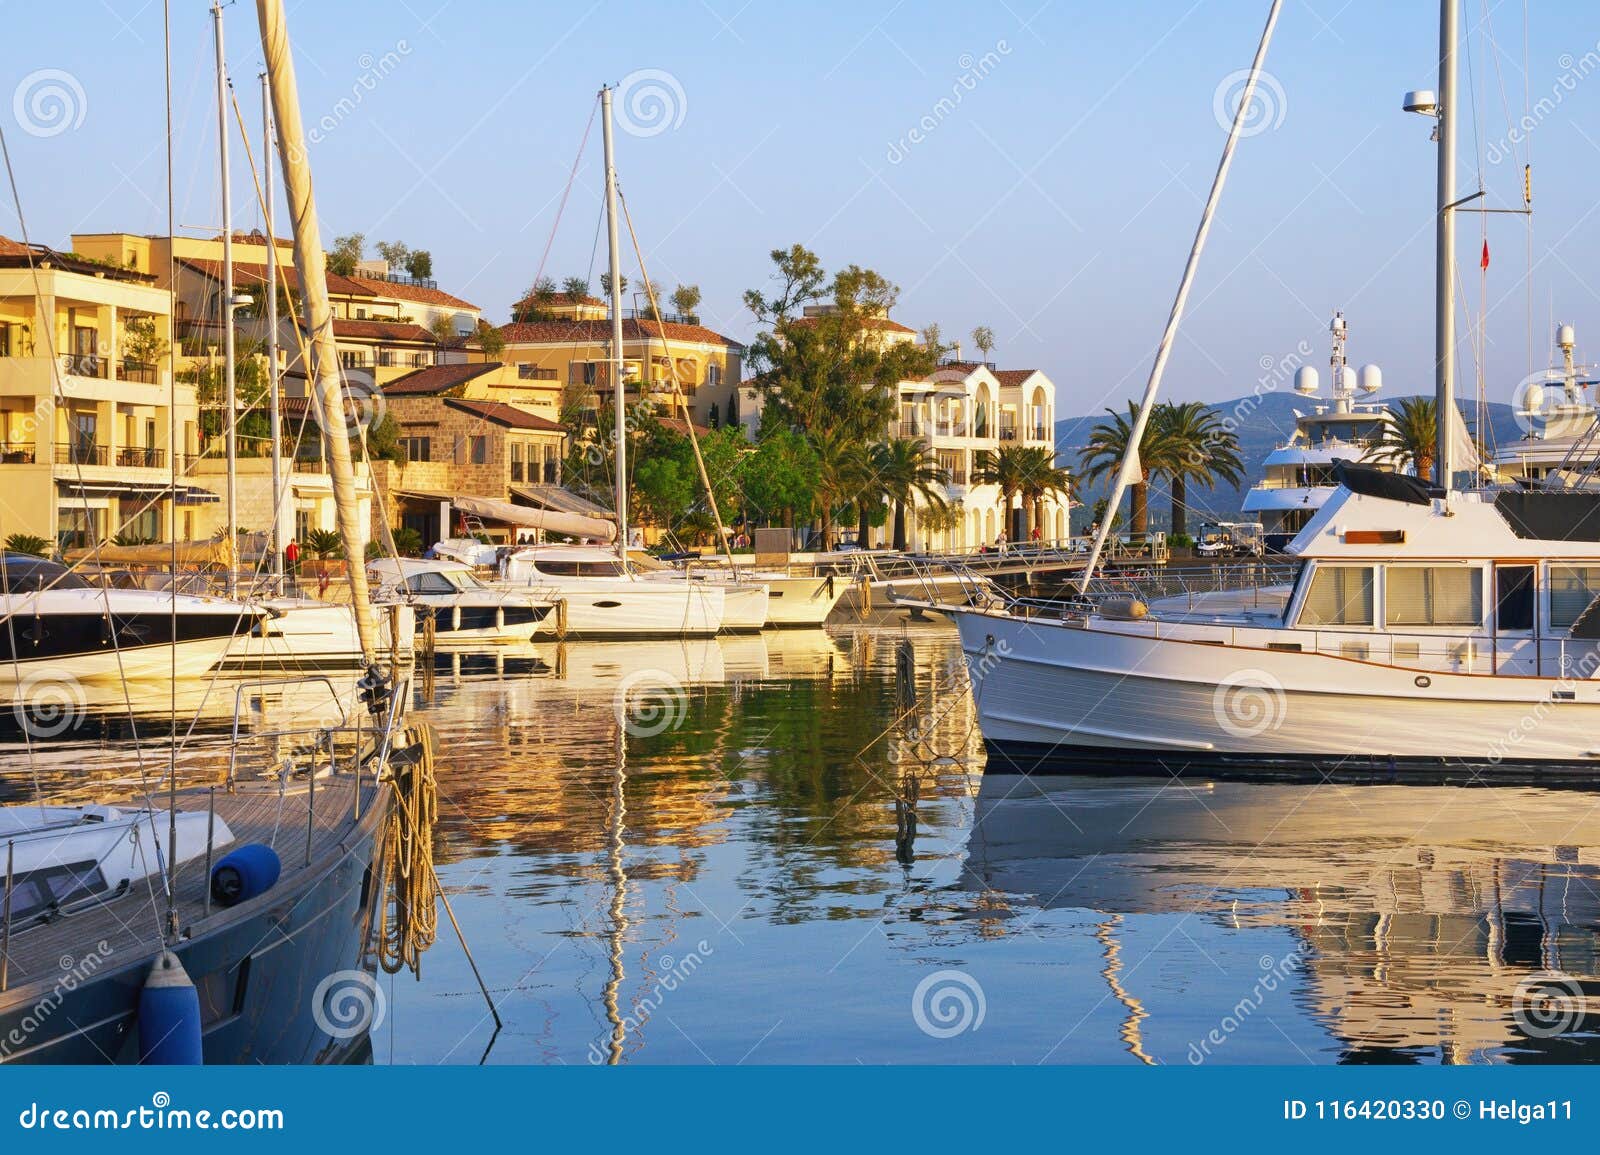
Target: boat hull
1053 698
317 635
802 602
191 659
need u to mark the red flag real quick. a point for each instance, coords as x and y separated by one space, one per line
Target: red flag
1484 263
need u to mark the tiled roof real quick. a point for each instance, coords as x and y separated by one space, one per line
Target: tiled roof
405 291
560 300
246 275
254 237
1004 376
569 332
502 413
11 248
383 330
882 323
1013 376
15 253
681 427
437 379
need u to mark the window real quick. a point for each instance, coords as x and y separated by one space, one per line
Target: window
1339 596
480 450
528 372
429 583
1513 597
585 373
418 448
516 461
713 374
1572 588
1448 595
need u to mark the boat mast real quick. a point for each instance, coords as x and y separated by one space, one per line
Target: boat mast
311 266
275 536
618 363
1445 246
230 410
1130 459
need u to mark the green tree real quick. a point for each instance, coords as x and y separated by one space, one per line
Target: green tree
686 302
444 332
906 469
842 465
983 338
491 342
1410 437
419 265
383 440
324 543
537 302
779 477
141 343
575 290
1102 457
1040 477
395 252
1195 446
605 285
29 543
347 251
834 369
1004 468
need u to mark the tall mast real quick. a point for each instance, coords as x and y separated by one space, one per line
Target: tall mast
311 265
1445 245
275 536
230 411
1130 459
617 360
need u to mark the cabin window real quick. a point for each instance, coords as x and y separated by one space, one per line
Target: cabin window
1513 598
1339 596
1433 595
429 583
1572 588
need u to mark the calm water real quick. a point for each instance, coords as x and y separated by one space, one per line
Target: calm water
789 853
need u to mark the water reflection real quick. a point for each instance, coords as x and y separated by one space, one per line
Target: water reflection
1418 912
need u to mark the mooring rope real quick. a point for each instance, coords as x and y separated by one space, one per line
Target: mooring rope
408 919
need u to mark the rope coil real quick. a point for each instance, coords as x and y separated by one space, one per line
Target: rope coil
408 919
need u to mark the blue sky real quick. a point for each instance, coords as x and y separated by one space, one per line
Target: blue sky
1053 202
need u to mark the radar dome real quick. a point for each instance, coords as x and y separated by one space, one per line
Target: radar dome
1371 379
1306 381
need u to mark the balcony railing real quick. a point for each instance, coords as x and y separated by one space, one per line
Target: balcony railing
16 453
955 477
1008 433
912 429
950 428
80 453
133 457
1038 433
138 371
83 365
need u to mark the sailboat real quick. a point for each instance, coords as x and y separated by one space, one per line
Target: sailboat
604 595
1432 632
232 920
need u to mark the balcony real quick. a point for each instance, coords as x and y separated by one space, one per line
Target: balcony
913 429
949 428
1008 432
84 365
16 453
81 453
136 458
139 372
1038 433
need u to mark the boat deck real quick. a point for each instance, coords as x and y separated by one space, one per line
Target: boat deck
308 821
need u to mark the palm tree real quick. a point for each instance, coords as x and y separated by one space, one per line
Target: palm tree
1108 444
905 469
842 464
324 543
1005 468
1194 446
1041 476
1409 437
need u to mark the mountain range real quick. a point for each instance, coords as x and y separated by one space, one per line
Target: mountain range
1260 423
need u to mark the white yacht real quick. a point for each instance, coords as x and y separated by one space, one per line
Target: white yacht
1559 419
604 599
1298 475
1430 632
304 633
466 612
54 624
